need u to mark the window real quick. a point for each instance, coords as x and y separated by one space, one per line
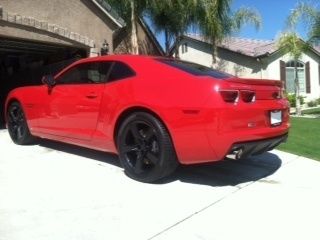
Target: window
290 76
104 70
120 71
195 69
86 73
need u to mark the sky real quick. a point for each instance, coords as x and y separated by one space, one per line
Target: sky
273 14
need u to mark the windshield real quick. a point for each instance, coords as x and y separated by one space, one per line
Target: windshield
195 69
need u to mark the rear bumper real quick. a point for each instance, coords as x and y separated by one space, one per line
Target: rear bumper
250 148
213 133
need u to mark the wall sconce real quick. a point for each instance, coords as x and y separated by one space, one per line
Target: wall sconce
104 49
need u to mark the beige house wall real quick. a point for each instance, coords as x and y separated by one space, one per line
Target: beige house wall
227 61
76 22
249 67
273 71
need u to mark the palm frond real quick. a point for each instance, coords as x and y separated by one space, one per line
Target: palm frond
245 16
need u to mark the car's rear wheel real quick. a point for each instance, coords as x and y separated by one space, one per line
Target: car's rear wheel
145 148
17 125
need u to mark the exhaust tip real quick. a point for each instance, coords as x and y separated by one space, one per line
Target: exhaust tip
235 154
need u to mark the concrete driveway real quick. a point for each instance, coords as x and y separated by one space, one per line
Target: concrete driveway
54 191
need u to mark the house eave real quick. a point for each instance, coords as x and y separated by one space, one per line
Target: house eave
118 21
152 37
264 55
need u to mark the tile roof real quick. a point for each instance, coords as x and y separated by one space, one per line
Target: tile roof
249 47
317 48
246 46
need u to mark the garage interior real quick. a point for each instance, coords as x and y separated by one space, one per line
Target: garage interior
23 63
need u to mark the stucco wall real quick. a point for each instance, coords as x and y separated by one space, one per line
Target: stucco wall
227 61
11 30
273 71
197 52
249 67
78 16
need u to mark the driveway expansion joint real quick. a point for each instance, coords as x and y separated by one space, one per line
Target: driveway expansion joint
238 188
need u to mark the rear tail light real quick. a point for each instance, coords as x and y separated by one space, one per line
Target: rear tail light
248 96
230 96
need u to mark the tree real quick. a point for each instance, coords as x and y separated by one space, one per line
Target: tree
291 43
216 21
173 17
131 11
310 16
213 18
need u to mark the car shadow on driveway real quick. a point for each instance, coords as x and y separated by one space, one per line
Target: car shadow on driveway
81 151
229 172
222 173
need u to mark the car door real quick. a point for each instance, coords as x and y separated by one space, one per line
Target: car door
71 108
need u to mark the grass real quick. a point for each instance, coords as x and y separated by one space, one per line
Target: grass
304 138
311 111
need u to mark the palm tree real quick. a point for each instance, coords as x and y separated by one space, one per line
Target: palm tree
216 21
213 18
315 30
131 11
173 17
291 43
310 16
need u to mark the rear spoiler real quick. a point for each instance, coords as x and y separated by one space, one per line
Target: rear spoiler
264 82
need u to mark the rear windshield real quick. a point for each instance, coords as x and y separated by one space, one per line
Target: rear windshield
195 69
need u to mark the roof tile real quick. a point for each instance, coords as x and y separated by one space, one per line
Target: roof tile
246 46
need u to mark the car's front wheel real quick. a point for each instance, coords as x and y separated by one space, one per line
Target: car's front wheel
145 148
17 125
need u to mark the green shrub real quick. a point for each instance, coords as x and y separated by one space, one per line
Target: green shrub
292 99
318 101
312 103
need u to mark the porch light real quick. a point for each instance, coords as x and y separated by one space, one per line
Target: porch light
104 49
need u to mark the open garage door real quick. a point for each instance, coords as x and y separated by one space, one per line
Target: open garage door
23 63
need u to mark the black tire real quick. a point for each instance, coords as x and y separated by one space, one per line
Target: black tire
145 148
17 125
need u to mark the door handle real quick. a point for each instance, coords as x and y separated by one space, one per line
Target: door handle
91 96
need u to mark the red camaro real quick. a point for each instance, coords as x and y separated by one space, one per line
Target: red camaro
154 112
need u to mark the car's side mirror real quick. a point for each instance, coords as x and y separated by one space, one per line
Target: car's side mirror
48 80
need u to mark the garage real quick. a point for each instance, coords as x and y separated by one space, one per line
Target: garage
23 62
42 36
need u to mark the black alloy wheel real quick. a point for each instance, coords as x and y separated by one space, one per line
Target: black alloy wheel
17 125
145 148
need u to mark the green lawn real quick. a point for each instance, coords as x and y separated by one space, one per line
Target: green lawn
304 138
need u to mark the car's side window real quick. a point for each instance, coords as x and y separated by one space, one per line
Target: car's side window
86 73
120 71
104 70
70 77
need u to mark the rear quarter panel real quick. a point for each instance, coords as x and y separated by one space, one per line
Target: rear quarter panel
177 98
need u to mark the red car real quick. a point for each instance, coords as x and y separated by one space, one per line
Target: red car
154 112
